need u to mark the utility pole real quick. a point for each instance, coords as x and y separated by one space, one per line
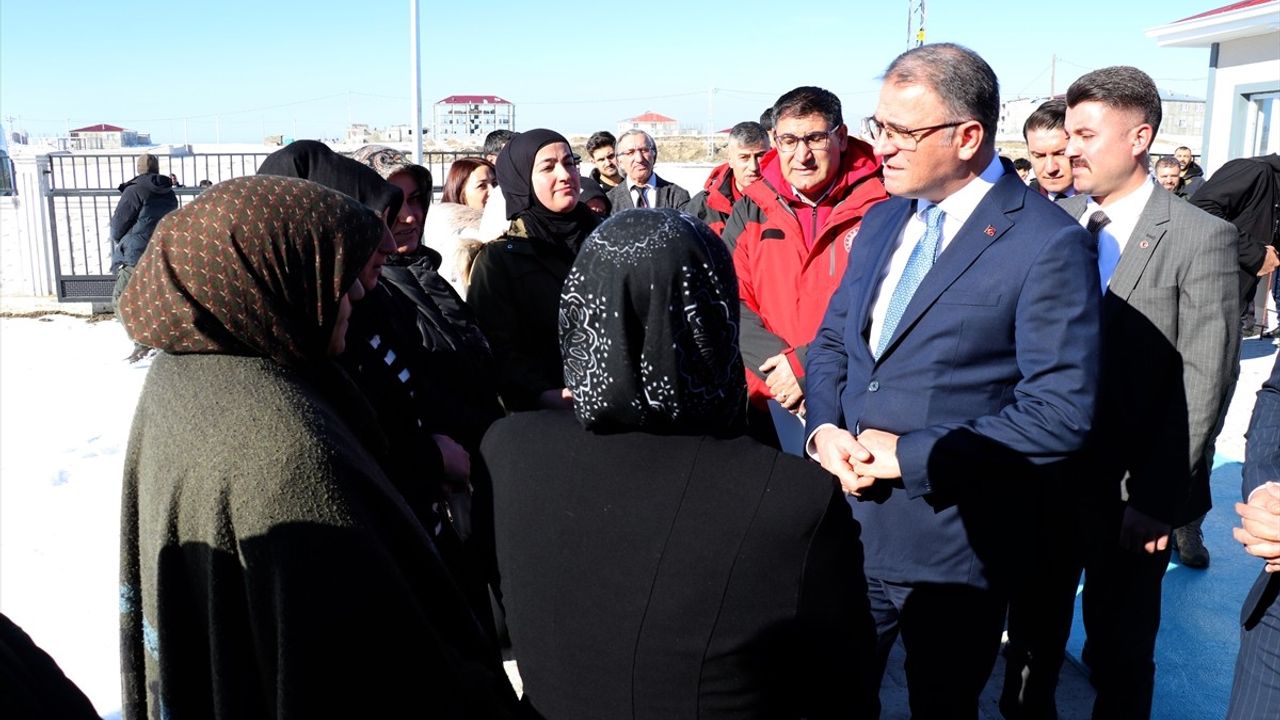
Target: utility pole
415 79
915 23
1053 71
711 123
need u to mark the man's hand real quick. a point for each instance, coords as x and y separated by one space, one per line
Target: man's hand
457 462
837 451
883 447
1140 532
782 383
556 399
1270 261
1259 529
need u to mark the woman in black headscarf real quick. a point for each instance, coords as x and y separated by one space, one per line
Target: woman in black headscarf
657 563
269 568
516 279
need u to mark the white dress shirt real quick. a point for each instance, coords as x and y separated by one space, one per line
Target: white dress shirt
956 209
650 193
1113 238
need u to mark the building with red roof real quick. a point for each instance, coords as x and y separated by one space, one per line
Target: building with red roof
651 122
469 118
106 137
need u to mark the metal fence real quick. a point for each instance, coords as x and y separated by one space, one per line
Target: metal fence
81 192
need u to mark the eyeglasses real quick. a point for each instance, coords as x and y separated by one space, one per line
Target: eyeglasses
642 151
903 138
815 141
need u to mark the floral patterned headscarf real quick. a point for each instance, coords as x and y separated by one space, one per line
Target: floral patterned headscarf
253 266
649 328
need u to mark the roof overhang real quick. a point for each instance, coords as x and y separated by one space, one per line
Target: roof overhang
1206 29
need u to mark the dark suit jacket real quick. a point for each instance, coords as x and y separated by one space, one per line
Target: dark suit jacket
669 195
1170 333
991 371
671 576
1262 465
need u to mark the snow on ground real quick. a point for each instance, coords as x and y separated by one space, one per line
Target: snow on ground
66 401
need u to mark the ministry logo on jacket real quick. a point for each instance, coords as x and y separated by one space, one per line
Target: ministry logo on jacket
849 236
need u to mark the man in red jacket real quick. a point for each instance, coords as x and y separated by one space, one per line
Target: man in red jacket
791 233
748 143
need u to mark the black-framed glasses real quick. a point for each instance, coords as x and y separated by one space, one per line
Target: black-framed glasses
900 137
815 141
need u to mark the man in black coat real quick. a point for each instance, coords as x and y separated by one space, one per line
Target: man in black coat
145 199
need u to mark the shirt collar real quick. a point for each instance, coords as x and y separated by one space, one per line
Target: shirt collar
959 205
1126 210
652 182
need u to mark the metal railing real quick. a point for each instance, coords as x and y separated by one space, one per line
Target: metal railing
82 192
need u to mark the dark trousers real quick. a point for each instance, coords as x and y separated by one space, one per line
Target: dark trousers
123 276
1255 693
1041 605
951 634
1121 608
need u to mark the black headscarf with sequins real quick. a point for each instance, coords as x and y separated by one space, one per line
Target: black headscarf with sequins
649 328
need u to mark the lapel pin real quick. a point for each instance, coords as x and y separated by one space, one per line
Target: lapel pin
990 231
1144 244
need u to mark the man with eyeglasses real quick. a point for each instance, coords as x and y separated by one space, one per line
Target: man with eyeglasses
956 364
637 154
790 234
601 148
748 144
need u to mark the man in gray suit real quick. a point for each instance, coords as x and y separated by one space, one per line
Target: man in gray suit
637 154
1169 336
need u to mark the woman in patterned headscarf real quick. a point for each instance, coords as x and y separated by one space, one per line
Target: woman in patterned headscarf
268 567
655 561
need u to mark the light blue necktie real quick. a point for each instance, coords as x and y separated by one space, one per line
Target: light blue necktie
922 258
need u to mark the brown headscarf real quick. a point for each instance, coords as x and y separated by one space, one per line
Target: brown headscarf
253 266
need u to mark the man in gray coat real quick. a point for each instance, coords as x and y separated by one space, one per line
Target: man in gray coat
637 153
1169 335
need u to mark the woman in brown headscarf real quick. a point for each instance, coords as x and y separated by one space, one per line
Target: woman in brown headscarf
268 567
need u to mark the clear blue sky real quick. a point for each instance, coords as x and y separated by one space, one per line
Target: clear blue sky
239 69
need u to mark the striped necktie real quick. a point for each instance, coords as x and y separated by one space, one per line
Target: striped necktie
641 200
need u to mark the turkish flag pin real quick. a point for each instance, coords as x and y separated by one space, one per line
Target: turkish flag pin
1144 244
990 231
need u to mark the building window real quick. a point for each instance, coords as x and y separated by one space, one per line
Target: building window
1262 124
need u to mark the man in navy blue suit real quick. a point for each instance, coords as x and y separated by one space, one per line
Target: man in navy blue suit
957 359
1256 692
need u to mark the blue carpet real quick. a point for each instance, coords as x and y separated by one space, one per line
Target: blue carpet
1200 615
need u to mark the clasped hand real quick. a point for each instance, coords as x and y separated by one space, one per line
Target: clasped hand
858 462
1259 529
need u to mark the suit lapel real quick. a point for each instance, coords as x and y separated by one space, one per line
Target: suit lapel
880 260
1151 227
986 225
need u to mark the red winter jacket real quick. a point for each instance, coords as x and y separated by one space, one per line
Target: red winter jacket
790 257
714 204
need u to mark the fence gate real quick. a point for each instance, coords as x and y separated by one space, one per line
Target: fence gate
82 193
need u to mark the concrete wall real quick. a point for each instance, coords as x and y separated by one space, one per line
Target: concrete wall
1245 67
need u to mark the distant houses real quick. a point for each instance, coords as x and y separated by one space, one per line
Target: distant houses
656 124
469 118
106 137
